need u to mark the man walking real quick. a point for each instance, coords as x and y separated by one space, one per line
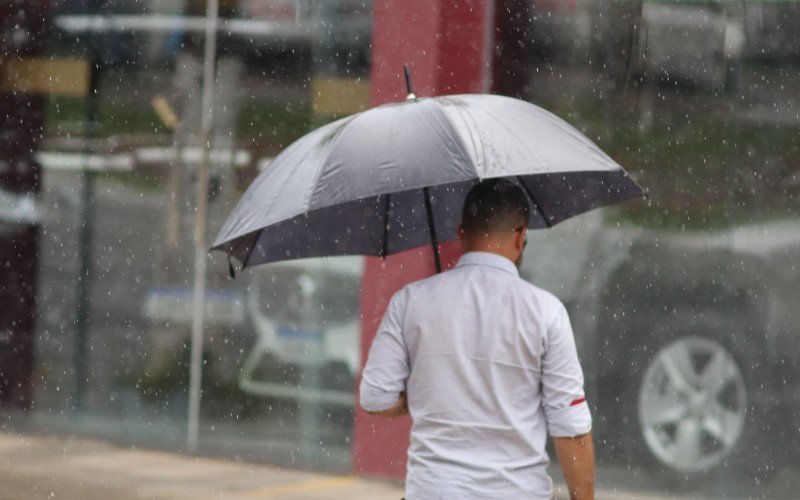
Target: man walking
485 363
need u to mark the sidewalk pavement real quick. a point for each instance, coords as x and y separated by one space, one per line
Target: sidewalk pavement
46 467
36 467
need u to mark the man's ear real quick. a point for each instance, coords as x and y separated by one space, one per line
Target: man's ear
519 242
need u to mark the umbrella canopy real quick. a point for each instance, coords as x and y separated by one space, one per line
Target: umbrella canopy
394 177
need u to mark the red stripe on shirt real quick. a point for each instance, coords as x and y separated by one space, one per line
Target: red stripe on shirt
577 401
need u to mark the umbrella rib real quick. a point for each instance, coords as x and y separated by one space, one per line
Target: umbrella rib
385 249
533 200
253 246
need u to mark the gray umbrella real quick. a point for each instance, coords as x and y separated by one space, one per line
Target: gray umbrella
394 177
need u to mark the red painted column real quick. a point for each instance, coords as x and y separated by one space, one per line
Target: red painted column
449 47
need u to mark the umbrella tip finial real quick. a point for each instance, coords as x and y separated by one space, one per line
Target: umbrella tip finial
409 86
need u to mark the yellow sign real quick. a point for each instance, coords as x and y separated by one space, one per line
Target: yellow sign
45 76
339 96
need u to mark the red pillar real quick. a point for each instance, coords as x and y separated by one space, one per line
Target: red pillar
449 47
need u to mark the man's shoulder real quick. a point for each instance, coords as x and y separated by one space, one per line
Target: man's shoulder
538 292
409 288
430 284
415 286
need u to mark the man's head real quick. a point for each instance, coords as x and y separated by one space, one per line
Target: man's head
495 219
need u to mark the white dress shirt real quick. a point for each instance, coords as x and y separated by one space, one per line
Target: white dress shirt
489 365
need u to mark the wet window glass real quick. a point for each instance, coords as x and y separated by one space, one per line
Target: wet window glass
682 304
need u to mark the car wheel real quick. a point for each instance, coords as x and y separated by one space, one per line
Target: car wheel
693 408
692 404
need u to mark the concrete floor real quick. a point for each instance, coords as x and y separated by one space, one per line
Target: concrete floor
35 467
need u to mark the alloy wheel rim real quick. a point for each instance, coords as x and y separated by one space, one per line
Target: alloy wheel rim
692 404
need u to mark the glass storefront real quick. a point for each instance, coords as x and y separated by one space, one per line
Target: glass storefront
281 347
683 305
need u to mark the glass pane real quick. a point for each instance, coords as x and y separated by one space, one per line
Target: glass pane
679 304
281 342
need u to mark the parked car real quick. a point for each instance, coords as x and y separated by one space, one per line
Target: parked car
771 29
115 49
687 339
698 44
341 28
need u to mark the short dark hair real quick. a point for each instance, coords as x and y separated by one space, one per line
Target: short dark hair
495 205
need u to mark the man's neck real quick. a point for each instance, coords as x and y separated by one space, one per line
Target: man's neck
492 248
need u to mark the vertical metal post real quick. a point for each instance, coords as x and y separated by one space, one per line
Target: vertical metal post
325 65
83 297
310 409
175 189
201 216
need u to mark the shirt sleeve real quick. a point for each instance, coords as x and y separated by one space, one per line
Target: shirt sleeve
387 368
565 407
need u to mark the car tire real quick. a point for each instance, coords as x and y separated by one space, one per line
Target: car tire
694 416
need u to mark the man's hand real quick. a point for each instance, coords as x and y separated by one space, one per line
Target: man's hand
576 457
397 410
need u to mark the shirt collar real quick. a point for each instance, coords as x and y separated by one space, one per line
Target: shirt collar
488 259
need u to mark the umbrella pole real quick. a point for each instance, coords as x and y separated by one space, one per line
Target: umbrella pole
432 228
201 215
